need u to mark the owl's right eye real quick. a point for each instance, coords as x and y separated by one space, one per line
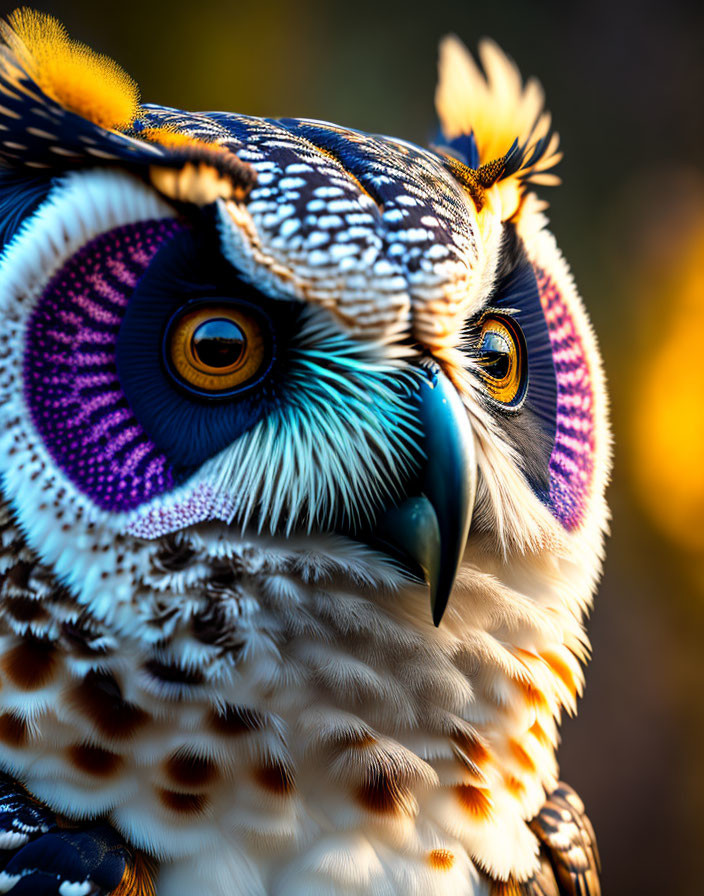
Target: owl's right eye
216 349
501 356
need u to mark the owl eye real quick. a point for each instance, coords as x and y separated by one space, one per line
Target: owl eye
217 349
501 356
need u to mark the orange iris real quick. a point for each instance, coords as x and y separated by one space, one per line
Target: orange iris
501 358
217 348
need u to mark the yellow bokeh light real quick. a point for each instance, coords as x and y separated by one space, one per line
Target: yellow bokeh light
668 409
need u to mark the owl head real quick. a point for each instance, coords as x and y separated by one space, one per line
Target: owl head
243 360
287 326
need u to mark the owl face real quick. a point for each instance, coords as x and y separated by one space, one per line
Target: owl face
285 329
174 359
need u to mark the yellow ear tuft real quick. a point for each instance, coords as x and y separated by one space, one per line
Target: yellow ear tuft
492 104
82 81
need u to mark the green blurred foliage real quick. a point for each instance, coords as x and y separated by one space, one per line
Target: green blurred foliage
624 81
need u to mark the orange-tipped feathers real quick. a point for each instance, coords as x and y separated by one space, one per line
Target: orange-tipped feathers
80 80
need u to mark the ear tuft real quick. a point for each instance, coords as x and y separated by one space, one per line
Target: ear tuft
78 79
503 119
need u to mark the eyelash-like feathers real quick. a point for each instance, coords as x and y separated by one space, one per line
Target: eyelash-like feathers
20 195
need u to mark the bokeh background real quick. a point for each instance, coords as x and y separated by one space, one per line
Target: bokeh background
625 82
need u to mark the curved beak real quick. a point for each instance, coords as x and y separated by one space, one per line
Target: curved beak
431 528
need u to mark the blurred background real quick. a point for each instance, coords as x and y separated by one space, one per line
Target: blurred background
625 83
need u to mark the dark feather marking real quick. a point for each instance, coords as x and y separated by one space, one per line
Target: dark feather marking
276 777
94 760
18 575
30 664
214 627
235 720
189 770
13 730
174 555
382 793
81 641
173 674
99 697
183 803
25 609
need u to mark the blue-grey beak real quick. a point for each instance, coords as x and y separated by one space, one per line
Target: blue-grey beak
431 528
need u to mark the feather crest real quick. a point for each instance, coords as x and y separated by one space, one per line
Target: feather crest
79 79
64 106
491 110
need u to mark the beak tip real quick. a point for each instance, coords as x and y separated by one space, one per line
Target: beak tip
431 528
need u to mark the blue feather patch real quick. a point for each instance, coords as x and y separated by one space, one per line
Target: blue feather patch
463 148
40 858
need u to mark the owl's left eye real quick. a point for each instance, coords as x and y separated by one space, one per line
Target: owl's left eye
501 356
217 349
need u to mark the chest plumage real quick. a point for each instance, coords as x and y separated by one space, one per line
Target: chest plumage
266 386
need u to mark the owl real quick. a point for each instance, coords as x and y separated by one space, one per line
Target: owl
303 450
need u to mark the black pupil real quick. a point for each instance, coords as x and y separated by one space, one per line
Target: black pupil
218 343
496 355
